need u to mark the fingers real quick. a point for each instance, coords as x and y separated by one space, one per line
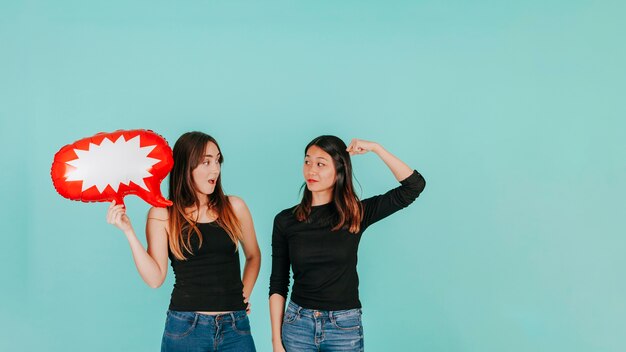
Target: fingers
357 146
351 145
112 212
115 213
118 217
358 150
248 304
112 215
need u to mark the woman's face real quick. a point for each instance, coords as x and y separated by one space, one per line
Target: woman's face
206 173
319 170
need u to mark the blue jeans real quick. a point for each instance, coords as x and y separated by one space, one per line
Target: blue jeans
307 330
191 331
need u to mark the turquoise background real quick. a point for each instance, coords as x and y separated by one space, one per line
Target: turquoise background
513 111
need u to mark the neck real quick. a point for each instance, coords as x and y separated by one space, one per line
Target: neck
203 198
321 197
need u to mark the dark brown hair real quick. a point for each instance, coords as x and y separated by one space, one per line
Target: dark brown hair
349 208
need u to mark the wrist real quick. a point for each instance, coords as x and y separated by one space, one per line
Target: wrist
130 233
377 148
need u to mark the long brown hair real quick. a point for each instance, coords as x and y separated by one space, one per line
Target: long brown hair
188 154
349 209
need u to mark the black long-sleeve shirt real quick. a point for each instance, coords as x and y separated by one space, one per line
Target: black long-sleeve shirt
324 261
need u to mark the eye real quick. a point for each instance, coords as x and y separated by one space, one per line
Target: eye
321 164
306 162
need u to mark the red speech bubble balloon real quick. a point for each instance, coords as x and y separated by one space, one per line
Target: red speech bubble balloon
110 166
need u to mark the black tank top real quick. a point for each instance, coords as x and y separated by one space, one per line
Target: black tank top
210 279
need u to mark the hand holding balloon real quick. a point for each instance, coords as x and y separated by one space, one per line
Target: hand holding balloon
116 215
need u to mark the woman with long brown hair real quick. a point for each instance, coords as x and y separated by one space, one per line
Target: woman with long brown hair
318 240
201 234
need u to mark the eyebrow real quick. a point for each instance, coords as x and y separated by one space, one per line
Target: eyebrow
319 157
210 155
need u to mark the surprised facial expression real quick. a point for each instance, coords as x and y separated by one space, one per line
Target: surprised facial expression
206 173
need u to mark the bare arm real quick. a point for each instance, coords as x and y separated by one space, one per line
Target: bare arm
399 169
277 310
249 245
151 263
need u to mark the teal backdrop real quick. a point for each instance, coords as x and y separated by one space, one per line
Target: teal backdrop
513 111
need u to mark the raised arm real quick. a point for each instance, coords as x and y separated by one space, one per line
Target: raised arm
381 206
151 263
399 169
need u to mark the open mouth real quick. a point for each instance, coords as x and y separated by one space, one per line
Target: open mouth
212 182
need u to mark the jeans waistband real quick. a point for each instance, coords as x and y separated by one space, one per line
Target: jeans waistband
315 313
224 317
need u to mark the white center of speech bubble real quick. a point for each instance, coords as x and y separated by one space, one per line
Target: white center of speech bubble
112 163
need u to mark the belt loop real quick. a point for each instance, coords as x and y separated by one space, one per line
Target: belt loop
298 308
232 316
195 319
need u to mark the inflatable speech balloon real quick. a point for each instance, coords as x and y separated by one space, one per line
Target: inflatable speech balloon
110 166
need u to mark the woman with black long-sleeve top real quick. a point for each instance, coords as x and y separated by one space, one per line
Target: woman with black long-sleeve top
319 238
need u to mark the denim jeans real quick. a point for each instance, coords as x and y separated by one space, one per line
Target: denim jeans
307 330
191 331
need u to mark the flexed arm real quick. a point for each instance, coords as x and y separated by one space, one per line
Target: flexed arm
399 169
381 206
